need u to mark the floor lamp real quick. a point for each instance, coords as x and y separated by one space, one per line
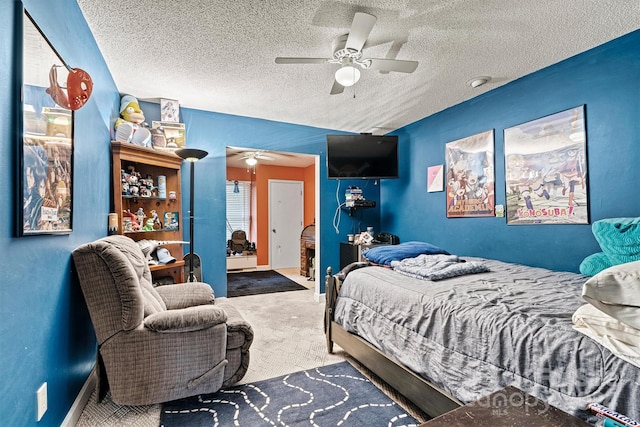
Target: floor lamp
191 155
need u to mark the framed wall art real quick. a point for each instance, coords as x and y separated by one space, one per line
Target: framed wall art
45 154
435 178
546 170
470 176
171 221
169 110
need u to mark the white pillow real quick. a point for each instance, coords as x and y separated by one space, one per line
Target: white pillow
616 291
620 339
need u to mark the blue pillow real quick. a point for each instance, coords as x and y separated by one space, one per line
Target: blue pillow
384 254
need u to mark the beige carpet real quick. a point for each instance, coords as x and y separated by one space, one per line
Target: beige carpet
289 337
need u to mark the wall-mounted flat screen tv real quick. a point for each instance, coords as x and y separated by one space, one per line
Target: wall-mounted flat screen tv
362 156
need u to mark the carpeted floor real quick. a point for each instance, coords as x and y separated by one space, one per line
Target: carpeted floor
258 283
289 337
330 395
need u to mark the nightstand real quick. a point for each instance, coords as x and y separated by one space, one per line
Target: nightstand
350 252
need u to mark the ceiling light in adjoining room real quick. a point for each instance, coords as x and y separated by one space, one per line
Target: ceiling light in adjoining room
347 75
478 81
251 161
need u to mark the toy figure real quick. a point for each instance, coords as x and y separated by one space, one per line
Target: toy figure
150 182
148 226
146 186
129 221
144 191
140 215
155 221
133 182
130 127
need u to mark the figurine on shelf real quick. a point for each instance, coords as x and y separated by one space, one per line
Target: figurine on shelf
148 226
126 224
124 179
150 184
130 222
130 127
146 186
144 191
133 181
140 216
157 225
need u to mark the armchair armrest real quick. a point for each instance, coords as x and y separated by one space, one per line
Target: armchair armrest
240 331
186 295
186 319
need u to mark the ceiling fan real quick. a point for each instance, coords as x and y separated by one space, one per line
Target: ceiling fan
251 157
347 52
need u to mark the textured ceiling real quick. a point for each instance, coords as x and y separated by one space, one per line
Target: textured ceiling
218 55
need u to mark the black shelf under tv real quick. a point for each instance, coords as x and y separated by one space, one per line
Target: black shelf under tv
362 205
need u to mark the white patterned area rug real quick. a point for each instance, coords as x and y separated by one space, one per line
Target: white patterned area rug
333 395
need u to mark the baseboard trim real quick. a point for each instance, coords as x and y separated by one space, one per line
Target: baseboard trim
81 400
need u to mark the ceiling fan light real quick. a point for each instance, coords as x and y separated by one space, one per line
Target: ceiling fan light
347 75
251 161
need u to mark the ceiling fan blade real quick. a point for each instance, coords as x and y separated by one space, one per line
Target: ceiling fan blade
360 28
337 88
263 157
393 65
285 60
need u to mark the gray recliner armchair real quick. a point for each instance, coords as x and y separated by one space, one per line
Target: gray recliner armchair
157 344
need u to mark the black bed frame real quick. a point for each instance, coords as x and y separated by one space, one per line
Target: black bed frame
428 397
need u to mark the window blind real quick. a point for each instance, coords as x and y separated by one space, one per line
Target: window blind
238 207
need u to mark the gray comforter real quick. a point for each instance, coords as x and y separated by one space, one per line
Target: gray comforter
472 335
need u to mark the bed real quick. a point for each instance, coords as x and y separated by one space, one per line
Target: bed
448 342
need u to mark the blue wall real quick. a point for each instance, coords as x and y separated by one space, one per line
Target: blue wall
45 332
213 132
607 80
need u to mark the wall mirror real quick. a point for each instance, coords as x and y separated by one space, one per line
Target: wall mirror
45 168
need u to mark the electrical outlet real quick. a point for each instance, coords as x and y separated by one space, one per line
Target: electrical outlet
41 395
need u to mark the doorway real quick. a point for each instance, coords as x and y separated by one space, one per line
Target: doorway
278 166
286 207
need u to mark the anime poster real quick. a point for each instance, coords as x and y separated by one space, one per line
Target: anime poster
546 170
470 176
45 149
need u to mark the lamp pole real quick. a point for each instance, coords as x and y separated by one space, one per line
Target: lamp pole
191 155
192 277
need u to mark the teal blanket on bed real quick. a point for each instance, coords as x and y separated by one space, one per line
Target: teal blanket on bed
619 239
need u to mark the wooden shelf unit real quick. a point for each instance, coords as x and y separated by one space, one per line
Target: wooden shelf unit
152 162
